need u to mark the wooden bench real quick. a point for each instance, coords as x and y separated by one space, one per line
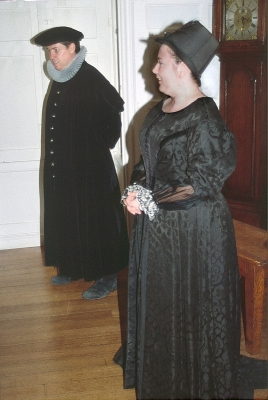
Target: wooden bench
251 243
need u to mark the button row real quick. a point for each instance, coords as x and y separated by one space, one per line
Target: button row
52 140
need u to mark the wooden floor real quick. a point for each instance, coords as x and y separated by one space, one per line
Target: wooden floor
54 344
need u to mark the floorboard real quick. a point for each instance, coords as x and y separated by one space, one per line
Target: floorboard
56 346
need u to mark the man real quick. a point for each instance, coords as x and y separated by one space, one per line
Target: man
84 224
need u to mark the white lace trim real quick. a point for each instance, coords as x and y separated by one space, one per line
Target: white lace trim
144 198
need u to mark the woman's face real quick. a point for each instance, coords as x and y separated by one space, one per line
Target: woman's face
166 70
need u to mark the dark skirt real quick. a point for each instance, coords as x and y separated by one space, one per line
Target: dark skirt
184 305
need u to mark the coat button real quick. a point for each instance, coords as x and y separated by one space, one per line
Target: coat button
52 164
51 140
52 127
58 91
53 115
55 104
52 152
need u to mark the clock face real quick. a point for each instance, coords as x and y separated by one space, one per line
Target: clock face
241 19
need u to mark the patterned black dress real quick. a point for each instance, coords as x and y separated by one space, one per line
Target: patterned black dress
183 306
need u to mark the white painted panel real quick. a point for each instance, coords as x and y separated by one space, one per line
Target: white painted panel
19 206
97 20
19 200
22 90
139 22
82 19
160 16
21 21
18 123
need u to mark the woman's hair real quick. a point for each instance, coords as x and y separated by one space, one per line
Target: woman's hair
178 60
77 45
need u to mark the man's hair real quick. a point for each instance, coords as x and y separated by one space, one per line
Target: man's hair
77 45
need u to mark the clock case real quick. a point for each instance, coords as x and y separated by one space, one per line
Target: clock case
243 106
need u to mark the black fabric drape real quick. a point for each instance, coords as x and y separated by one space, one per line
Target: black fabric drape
183 296
85 229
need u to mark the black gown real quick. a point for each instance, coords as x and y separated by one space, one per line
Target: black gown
184 305
85 231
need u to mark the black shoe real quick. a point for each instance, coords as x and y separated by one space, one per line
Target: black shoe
101 288
60 280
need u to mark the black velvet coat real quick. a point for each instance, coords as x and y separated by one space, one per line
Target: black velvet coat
85 229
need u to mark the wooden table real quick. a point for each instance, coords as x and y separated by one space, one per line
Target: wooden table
251 243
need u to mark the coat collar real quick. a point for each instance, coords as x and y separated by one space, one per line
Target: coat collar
69 72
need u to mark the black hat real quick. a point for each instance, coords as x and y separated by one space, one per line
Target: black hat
58 35
193 44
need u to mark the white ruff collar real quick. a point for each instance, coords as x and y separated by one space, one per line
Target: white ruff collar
69 72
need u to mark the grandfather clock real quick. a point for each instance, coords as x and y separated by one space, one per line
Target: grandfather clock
240 27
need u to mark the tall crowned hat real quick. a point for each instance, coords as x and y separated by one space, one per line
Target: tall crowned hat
57 35
193 44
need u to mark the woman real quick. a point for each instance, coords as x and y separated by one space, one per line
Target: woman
183 311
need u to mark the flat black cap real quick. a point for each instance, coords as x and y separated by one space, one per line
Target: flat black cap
193 44
57 35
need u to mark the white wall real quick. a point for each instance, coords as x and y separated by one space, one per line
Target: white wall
23 86
139 21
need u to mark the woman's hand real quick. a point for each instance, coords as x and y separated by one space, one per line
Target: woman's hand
132 204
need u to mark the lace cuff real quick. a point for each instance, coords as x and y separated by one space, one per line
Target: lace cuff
144 198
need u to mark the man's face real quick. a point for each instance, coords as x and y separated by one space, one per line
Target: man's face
60 55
